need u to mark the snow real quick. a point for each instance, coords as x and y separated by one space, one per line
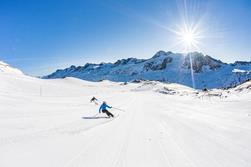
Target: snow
166 67
42 124
241 71
4 67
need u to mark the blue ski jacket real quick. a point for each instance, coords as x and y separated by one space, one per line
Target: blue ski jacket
103 107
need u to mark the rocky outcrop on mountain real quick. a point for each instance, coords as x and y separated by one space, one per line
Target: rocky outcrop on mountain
157 66
198 61
165 67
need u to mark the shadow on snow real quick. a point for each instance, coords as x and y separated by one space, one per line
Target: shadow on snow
99 117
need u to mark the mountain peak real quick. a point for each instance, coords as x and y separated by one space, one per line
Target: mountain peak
161 53
6 68
199 61
163 66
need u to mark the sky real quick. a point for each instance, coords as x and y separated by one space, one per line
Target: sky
40 36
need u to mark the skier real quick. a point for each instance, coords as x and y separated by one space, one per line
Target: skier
104 110
94 100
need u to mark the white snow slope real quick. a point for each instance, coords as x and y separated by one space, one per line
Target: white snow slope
6 68
51 123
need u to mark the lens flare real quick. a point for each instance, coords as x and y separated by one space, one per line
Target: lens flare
188 37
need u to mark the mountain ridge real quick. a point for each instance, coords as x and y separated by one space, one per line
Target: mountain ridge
164 66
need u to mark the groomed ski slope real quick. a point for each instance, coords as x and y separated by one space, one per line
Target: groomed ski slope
51 123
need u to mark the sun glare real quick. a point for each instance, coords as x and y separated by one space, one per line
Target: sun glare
188 38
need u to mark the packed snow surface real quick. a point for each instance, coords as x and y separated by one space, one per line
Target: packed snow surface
51 123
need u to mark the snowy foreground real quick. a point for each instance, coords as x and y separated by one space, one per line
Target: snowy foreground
51 123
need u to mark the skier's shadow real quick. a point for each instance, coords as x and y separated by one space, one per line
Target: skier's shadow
100 117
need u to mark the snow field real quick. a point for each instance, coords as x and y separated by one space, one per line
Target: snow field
52 123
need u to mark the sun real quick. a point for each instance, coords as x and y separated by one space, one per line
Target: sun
188 37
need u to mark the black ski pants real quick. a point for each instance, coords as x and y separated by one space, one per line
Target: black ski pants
108 113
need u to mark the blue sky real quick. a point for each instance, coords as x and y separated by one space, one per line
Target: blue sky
39 36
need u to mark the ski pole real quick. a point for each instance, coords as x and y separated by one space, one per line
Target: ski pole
118 109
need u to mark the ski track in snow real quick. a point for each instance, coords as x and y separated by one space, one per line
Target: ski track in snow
155 129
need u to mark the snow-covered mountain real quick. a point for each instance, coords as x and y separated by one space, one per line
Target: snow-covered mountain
6 68
166 67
